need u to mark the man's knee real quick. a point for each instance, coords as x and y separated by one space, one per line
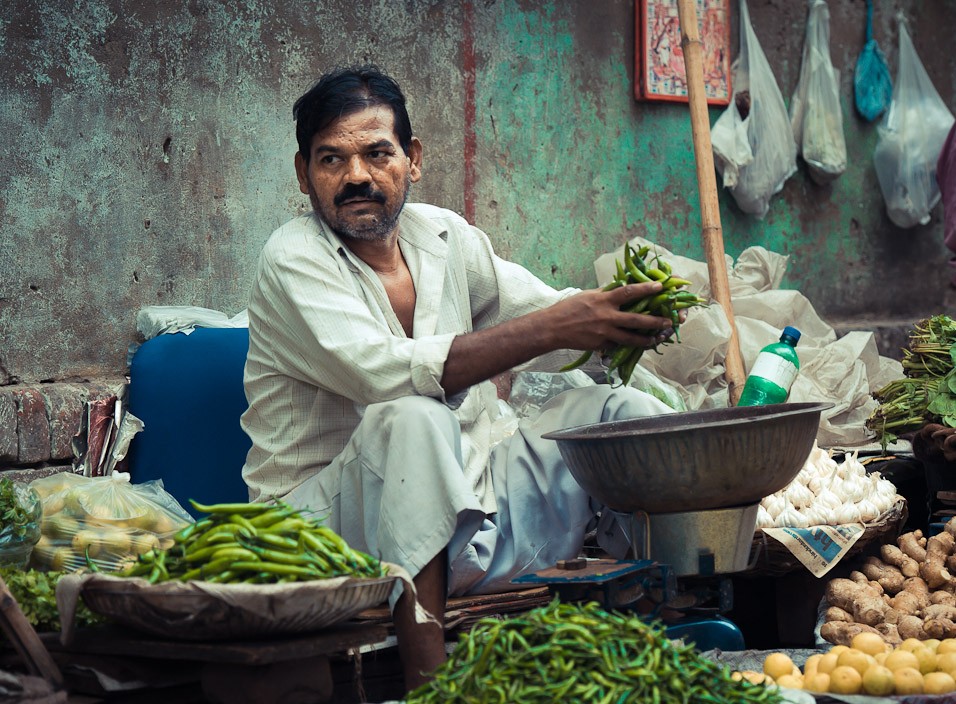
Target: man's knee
413 414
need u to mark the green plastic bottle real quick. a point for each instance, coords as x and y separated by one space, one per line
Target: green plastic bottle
773 372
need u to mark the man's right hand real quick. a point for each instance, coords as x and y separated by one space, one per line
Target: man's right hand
589 320
593 320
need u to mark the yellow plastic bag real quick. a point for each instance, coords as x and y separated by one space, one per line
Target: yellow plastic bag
102 523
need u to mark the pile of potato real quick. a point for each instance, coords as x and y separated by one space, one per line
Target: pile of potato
868 665
909 592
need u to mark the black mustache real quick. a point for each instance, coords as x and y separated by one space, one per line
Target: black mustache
364 191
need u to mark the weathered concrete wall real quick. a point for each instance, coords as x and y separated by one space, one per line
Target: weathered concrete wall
148 153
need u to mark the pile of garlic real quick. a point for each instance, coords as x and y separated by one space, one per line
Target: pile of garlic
828 493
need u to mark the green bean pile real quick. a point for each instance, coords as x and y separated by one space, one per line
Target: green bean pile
668 303
254 543
580 653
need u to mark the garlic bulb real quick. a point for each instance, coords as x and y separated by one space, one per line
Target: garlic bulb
855 488
829 499
869 511
791 517
799 495
817 515
848 513
764 519
774 504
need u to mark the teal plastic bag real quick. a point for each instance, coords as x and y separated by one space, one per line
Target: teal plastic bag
872 86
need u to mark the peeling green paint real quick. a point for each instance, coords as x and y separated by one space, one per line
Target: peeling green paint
150 153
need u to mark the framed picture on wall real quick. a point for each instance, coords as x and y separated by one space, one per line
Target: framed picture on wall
659 58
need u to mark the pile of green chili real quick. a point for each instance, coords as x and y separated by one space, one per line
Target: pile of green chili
580 653
254 543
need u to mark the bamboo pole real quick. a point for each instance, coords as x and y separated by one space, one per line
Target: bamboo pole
713 236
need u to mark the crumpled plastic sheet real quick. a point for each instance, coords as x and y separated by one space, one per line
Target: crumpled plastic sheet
842 371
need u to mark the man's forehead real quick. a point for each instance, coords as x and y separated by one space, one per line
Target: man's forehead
371 124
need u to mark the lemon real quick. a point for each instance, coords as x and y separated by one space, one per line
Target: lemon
908 680
845 680
910 644
828 662
163 524
818 682
143 542
881 657
790 682
927 659
869 643
856 659
777 665
810 666
946 662
932 643
946 646
756 677
900 659
837 649
87 542
61 559
938 683
878 681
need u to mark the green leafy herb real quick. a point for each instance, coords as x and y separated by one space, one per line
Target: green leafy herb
35 592
927 394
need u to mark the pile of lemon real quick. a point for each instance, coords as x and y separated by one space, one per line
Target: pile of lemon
867 666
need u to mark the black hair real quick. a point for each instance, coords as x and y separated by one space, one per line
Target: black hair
344 91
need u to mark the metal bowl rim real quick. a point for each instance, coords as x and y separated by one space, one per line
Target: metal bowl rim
578 432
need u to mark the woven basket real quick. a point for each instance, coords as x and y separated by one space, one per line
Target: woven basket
205 611
770 558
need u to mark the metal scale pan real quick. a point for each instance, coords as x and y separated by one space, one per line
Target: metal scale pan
692 481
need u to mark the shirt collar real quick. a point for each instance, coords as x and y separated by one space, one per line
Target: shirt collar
414 228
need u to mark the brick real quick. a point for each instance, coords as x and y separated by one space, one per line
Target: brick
28 475
64 407
33 427
8 426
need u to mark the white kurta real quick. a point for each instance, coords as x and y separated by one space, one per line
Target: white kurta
347 415
324 342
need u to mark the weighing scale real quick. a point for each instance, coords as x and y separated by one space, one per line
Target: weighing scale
686 486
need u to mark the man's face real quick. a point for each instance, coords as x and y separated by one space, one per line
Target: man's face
358 176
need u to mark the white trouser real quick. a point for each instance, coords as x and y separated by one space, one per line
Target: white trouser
397 491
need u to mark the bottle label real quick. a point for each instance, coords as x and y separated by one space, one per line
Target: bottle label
780 371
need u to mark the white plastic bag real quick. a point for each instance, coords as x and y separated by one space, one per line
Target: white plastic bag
156 320
754 149
815 112
911 136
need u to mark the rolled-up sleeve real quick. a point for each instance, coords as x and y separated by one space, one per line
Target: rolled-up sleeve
428 366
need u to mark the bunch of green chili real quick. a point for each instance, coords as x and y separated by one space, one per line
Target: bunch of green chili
637 268
580 653
254 543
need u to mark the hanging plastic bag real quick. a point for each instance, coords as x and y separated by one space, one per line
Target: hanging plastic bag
911 136
872 86
753 144
815 112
